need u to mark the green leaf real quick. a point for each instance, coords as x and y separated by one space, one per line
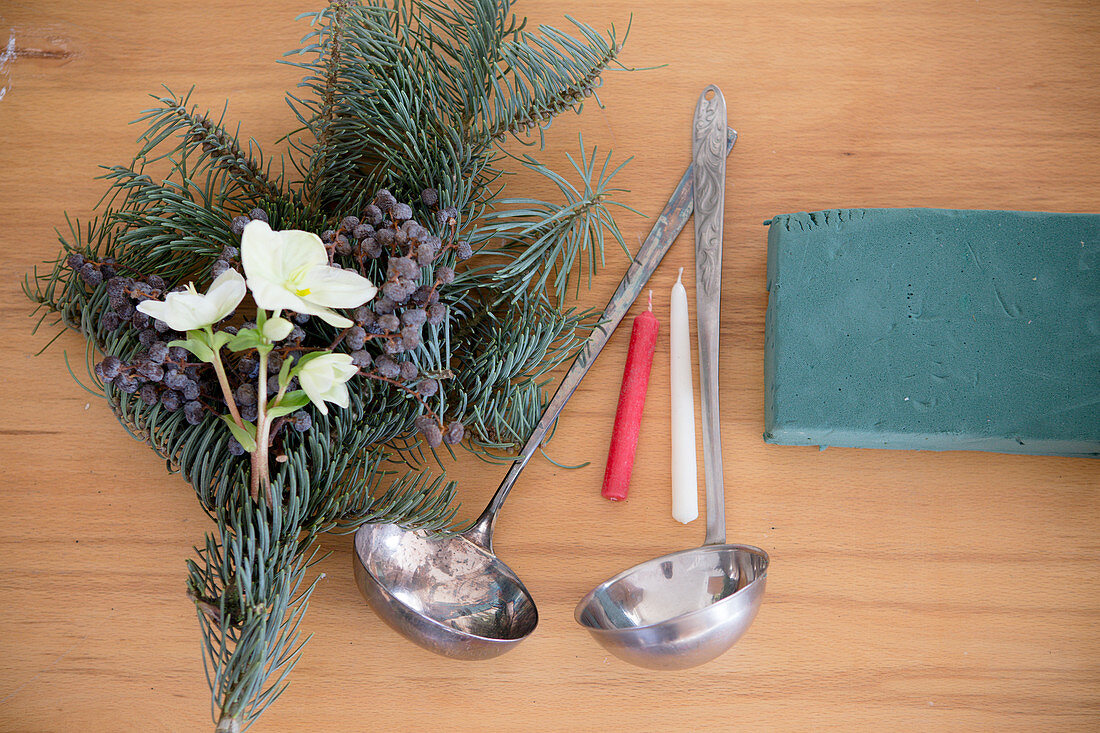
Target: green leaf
291 402
284 373
246 436
196 347
246 338
221 338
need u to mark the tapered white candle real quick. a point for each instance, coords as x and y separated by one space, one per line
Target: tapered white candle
685 479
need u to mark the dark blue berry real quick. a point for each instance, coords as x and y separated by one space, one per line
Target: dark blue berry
430 430
148 337
158 352
193 412
90 275
388 323
110 321
175 380
191 390
403 267
372 214
150 372
363 315
148 394
126 383
171 400
413 317
387 367
455 433
301 421
384 200
112 365
436 314
356 338
411 336
245 394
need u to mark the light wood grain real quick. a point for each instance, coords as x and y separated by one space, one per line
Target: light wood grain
918 591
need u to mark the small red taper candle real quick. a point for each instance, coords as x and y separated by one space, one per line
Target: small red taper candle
628 417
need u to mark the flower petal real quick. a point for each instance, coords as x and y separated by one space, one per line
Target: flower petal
225 293
182 311
324 379
335 288
302 249
277 329
259 252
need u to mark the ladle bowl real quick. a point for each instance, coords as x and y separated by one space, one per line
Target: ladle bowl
679 610
447 594
451 594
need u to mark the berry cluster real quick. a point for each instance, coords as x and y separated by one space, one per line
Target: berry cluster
411 254
161 374
384 238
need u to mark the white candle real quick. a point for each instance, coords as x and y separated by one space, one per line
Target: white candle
685 479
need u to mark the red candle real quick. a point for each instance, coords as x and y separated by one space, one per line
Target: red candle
628 417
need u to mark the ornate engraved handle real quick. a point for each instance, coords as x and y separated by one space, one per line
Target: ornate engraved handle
708 134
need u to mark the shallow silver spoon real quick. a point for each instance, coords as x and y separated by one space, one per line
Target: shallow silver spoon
451 594
684 609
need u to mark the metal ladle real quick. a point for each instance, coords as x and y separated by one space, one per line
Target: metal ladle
686 608
451 594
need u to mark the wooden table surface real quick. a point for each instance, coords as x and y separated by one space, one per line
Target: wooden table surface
908 590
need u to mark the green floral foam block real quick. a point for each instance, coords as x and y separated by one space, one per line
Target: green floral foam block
934 329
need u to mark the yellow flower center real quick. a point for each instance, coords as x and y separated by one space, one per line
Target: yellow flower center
295 280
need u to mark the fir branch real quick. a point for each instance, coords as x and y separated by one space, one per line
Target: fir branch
218 148
543 239
405 95
544 75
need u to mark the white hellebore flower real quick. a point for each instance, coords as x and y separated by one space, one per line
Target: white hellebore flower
277 329
290 270
188 310
324 379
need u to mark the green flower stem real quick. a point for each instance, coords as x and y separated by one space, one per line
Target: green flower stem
223 380
261 473
261 467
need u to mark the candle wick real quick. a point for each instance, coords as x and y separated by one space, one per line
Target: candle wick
680 276
651 300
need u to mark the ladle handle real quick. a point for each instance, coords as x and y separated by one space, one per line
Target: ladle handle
708 131
668 225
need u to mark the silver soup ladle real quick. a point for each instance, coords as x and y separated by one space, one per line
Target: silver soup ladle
688 607
450 593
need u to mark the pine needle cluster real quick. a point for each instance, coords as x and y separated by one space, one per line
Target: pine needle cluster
401 95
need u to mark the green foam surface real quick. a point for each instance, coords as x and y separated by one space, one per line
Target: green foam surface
934 329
